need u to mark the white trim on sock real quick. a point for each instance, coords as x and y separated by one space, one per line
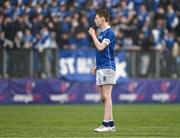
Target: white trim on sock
106 121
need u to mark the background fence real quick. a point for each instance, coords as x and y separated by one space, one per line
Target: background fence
22 63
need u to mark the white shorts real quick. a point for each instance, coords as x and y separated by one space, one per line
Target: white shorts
105 76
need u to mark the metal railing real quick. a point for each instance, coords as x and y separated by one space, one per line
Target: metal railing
152 64
28 63
22 63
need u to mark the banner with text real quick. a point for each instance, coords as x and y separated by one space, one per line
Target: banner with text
76 65
59 91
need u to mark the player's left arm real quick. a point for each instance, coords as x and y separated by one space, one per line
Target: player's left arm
99 45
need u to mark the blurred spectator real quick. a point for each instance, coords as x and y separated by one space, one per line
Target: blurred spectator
128 41
18 40
45 40
28 39
119 40
138 3
8 9
79 40
4 42
143 18
171 18
64 41
126 14
158 34
169 41
143 42
170 52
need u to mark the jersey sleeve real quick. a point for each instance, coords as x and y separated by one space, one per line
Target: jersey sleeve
108 38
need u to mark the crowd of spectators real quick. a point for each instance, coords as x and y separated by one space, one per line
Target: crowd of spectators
144 25
63 24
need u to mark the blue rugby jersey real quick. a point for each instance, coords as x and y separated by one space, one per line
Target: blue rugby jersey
105 58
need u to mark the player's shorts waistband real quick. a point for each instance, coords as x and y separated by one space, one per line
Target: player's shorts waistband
106 68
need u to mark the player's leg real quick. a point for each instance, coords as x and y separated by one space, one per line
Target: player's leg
104 127
108 111
107 123
107 101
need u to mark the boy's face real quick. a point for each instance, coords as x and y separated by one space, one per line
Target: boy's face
99 20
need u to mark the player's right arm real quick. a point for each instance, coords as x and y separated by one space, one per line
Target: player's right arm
99 45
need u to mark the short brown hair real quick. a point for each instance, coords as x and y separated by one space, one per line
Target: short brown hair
103 13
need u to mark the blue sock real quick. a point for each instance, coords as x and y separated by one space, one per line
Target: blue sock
111 123
105 124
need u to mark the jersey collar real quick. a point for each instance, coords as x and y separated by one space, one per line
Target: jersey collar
102 30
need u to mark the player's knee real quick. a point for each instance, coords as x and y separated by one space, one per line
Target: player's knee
102 100
105 98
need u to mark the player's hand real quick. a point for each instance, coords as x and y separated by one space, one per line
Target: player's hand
91 31
94 70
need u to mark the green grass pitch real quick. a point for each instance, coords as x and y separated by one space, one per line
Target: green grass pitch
132 121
